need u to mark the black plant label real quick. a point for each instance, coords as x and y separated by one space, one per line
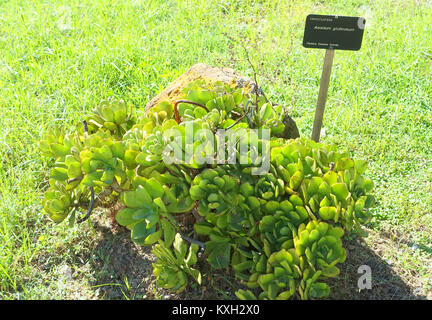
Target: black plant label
333 32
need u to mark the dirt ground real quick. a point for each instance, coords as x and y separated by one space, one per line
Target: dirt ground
120 269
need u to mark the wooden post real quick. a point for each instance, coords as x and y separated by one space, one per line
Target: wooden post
322 96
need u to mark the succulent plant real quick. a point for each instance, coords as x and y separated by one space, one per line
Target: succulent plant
112 115
279 230
310 287
59 144
146 214
57 202
321 246
269 187
174 266
277 275
211 188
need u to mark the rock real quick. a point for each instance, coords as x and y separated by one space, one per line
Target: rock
201 71
211 75
291 131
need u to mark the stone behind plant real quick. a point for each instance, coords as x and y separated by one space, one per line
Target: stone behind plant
211 75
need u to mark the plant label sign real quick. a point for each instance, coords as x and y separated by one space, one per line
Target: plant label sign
330 33
333 32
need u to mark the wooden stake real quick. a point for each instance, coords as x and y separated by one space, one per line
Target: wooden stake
322 96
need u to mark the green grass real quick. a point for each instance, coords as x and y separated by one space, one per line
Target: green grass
58 60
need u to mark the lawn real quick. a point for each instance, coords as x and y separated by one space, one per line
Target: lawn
57 61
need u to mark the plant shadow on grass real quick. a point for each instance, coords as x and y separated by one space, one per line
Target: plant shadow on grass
123 270
120 270
386 284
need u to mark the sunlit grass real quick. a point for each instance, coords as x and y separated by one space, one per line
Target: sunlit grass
58 60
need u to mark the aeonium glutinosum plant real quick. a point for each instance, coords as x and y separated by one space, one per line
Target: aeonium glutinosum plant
184 185
174 266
